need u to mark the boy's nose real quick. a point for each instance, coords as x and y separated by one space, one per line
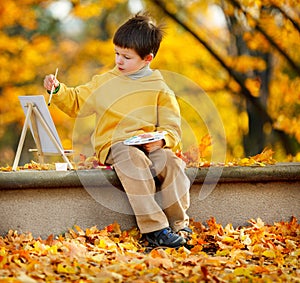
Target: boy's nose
119 61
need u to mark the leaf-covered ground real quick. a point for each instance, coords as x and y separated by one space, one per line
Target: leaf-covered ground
254 253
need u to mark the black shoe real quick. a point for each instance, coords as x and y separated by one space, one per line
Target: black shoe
165 237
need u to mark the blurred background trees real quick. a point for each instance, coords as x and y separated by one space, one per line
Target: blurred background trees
243 53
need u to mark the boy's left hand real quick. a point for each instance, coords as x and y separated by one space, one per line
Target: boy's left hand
152 146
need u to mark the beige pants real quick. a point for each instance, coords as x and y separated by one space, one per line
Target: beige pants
154 208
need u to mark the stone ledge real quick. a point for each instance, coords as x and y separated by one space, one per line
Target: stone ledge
50 202
53 179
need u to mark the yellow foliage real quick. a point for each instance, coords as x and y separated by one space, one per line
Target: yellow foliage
245 63
28 52
256 41
88 10
253 84
289 125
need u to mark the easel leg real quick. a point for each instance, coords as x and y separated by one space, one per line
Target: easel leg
22 138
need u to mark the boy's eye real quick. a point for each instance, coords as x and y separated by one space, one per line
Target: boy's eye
125 56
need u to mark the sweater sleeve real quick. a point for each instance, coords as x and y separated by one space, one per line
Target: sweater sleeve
78 100
169 118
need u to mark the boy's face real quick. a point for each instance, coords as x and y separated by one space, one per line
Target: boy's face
128 61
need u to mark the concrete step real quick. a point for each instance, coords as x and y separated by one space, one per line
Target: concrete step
50 202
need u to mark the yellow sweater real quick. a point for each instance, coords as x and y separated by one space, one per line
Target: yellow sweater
124 107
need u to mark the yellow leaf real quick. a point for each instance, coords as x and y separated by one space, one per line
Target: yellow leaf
102 244
223 252
244 161
53 250
269 253
228 239
106 243
241 271
2 251
3 260
65 269
127 246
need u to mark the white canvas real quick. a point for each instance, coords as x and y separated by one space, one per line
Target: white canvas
46 143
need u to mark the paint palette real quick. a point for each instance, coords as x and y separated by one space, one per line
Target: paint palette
145 138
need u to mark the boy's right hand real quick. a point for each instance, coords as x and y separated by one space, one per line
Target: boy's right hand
50 81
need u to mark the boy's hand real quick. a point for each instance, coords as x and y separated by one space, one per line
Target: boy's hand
152 146
50 81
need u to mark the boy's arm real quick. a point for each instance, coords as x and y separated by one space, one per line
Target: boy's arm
169 119
72 100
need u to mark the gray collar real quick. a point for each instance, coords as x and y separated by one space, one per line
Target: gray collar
146 71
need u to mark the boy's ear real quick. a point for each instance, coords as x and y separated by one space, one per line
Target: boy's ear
149 57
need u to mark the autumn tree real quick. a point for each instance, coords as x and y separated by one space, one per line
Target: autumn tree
259 56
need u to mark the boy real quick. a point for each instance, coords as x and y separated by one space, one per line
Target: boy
129 100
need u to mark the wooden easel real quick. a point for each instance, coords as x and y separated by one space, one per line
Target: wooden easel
36 120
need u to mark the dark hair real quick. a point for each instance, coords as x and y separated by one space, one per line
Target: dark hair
141 34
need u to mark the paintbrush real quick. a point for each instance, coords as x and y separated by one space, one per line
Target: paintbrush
53 87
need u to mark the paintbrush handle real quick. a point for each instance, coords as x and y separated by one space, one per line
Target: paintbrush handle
53 87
